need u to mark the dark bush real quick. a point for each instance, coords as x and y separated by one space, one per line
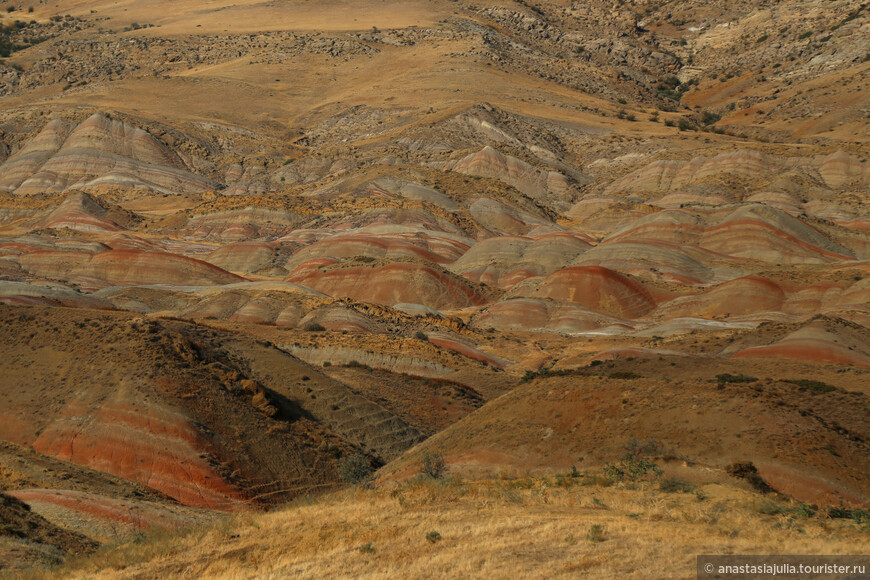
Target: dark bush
676 485
596 534
729 378
685 125
355 469
625 375
746 471
631 468
814 386
708 117
433 465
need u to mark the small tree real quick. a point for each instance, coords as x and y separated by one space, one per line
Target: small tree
433 465
355 469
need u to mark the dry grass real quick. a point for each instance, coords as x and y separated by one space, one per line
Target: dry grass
493 529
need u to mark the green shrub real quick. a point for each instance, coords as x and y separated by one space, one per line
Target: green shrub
708 118
367 548
433 465
860 516
729 378
814 386
676 485
806 511
771 508
355 469
433 537
421 335
631 468
624 375
596 533
314 327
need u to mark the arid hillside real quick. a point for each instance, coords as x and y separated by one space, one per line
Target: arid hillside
246 245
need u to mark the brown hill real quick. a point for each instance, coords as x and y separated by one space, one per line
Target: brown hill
803 436
207 419
241 241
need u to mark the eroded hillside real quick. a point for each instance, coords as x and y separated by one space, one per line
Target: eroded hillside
242 242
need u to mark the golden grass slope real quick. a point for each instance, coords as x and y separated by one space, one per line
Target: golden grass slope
526 528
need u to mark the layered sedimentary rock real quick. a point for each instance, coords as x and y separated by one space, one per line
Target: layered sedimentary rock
431 247
96 152
503 219
251 257
741 296
156 447
822 340
534 314
835 170
660 260
180 416
504 261
762 233
535 183
125 268
596 288
390 284
466 348
412 191
79 212
249 223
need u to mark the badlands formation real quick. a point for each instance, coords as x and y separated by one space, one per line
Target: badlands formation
241 243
